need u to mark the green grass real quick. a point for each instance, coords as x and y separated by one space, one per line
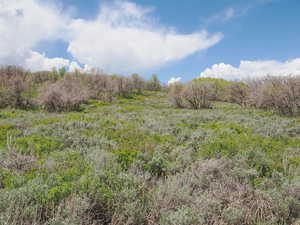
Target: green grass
118 155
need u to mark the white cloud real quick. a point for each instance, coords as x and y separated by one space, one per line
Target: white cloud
74 66
223 16
229 13
253 69
174 80
236 10
124 38
36 61
23 25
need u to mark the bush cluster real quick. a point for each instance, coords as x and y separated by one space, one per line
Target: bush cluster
279 94
195 94
15 88
64 95
58 91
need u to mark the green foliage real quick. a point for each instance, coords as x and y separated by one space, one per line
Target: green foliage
140 161
62 71
155 163
7 179
5 131
126 157
130 108
220 83
154 83
38 145
9 114
266 155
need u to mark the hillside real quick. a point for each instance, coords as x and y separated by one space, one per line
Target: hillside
149 112
140 160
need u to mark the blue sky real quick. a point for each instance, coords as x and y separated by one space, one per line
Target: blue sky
243 38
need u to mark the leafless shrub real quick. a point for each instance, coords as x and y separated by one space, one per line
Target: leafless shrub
138 83
175 94
9 73
42 77
238 93
99 86
67 90
104 87
195 94
122 85
15 89
281 94
80 210
64 95
198 95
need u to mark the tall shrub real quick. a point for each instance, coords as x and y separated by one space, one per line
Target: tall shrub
175 94
198 94
15 89
281 94
64 95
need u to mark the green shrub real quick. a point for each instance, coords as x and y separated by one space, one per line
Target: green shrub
38 145
153 84
126 157
140 161
4 132
263 154
155 163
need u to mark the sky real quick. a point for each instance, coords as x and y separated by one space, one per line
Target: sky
177 40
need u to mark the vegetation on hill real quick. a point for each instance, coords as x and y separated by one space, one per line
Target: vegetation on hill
59 91
279 94
98 149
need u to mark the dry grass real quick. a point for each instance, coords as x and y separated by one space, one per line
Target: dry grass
16 162
210 193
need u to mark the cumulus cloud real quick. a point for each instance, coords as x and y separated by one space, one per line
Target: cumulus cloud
253 69
36 61
23 25
124 38
174 80
74 66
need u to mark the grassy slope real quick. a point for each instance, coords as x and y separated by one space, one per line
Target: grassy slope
105 155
